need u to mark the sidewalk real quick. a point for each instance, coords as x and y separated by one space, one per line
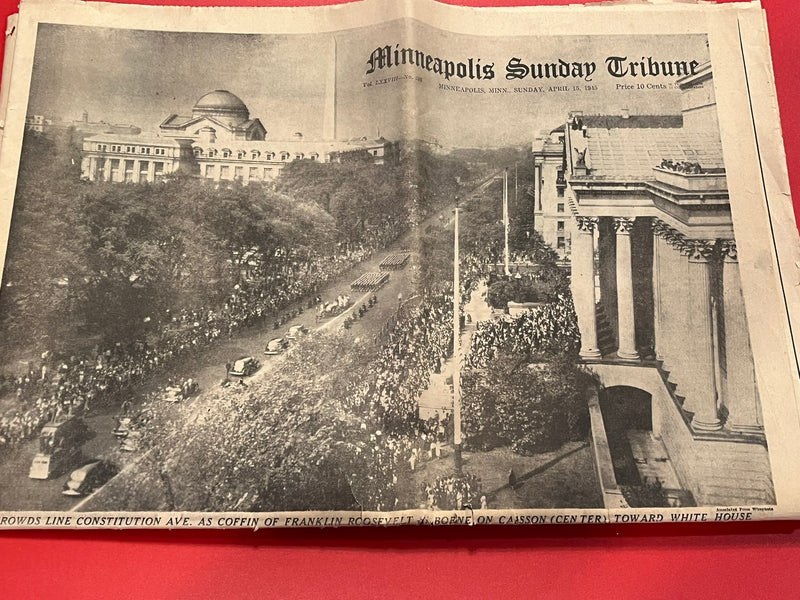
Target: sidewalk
563 478
438 397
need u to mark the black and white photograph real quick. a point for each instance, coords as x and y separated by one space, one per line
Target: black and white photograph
381 275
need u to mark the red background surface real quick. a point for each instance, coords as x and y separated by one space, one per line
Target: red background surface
748 560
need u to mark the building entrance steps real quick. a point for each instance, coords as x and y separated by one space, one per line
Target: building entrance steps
606 338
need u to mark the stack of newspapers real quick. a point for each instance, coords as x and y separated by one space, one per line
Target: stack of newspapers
597 318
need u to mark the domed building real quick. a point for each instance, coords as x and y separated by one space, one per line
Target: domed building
223 106
216 116
218 142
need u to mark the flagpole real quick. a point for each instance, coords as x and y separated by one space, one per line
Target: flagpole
456 350
506 259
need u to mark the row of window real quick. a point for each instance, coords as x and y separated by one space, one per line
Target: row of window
225 172
125 170
131 149
253 154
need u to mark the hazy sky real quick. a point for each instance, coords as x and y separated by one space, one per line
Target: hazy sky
141 77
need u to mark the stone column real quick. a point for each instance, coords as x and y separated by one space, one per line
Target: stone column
136 167
627 326
583 293
107 170
703 402
657 341
742 397
151 171
92 168
672 290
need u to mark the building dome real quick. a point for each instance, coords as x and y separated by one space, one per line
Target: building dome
223 106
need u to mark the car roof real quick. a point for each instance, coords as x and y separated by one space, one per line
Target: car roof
89 465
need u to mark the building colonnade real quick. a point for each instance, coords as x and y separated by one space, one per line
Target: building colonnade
699 327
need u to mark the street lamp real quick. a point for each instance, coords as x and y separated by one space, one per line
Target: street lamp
456 350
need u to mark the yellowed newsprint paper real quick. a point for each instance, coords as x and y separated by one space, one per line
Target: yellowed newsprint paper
394 263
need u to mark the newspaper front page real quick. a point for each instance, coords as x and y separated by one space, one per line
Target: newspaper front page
394 264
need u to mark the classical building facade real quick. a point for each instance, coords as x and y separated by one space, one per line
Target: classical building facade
219 142
656 284
551 211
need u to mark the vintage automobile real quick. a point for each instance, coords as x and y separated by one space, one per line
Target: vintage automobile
245 366
276 346
296 331
89 477
177 392
124 427
131 442
60 443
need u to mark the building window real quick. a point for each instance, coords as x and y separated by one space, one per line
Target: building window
209 171
198 152
313 156
239 173
560 207
241 154
270 156
224 172
284 156
254 154
211 152
267 172
561 243
129 171
253 176
130 149
560 226
101 147
226 153
560 192
299 156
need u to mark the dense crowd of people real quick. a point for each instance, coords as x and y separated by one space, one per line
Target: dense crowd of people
682 166
551 327
413 347
370 282
454 492
395 261
68 384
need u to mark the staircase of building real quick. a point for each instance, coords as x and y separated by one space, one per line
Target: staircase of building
671 386
606 338
739 474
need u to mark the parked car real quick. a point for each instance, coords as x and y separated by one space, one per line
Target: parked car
276 346
296 332
245 366
89 477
